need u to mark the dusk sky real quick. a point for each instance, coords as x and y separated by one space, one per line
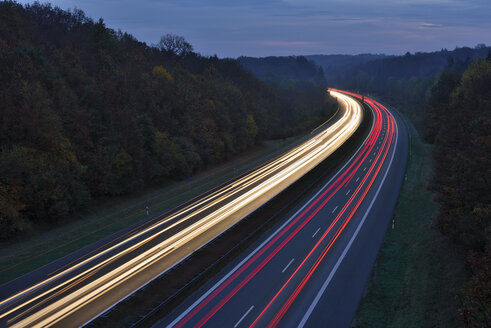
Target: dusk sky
231 28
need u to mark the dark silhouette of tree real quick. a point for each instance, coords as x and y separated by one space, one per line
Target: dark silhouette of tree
175 44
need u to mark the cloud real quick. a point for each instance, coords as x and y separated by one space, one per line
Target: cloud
430 25
285 27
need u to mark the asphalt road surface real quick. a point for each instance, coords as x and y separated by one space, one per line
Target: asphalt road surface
311 271
76 289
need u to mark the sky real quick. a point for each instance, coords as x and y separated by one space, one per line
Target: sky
232 28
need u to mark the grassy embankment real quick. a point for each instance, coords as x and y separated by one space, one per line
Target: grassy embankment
22 257
418 272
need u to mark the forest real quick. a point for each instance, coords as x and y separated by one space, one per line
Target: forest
403 81
282 71
458 123
334 66
87 112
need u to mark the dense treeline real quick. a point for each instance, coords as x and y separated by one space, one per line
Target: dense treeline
284 71
336 65
458 122
404 81
297 80
88 112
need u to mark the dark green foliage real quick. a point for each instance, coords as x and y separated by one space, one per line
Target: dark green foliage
88 112
462 151
298 81
404 81
336 65
462 178
438 108
380 72
283 70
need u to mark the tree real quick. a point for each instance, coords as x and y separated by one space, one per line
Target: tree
11 220
159 71
438 105
462 145
175 44
87 112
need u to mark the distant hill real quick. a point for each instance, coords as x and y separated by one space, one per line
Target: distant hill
282 70
339 69
416 65
334 65
404 81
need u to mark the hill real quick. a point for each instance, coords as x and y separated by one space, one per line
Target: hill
406 81
382 71
336 65
284 70
87 112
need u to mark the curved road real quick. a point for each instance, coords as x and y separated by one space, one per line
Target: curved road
311 271
69 293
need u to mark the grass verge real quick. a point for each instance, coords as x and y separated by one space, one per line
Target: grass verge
417 274
108 218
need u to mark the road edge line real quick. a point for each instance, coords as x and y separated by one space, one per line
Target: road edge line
345 251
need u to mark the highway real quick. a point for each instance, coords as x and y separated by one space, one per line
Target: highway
72 292
311 270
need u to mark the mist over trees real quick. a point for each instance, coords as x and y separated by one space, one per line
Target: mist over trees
88 112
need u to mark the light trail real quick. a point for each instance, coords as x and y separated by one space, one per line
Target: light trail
257 262
339 183
318 261
83 281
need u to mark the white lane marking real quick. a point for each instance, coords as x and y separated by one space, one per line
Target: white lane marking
334 210
242 318
287 265
348 192
336 266
199 300
370 160
357 179
315 233
365 169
